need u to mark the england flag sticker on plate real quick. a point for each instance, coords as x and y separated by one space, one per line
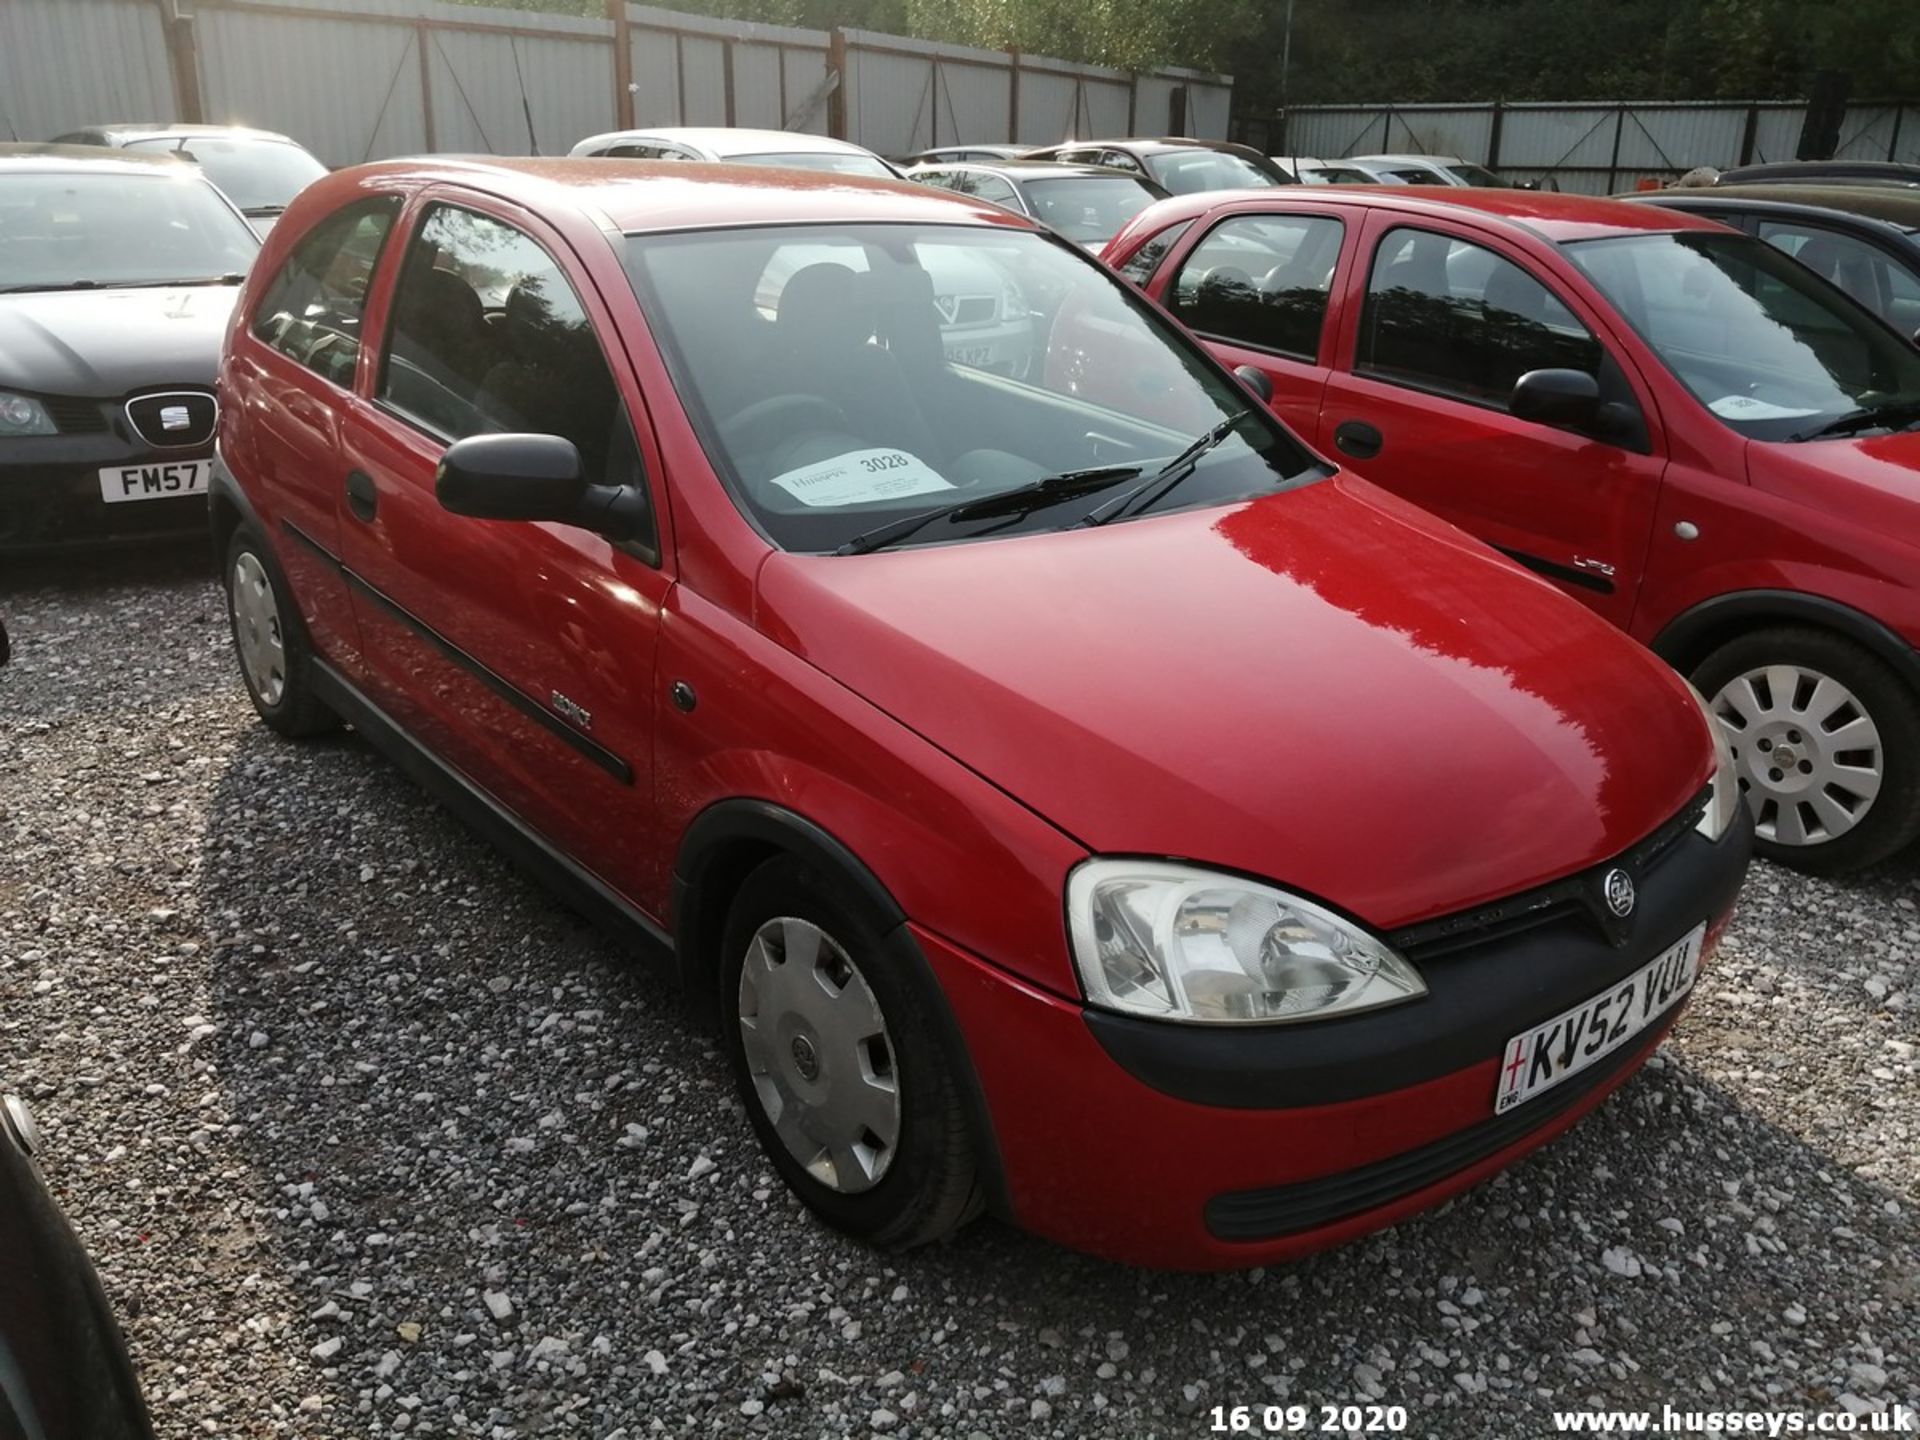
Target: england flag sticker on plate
1536 1060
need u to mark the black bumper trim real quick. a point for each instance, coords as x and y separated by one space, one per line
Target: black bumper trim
1282 1210
1477 999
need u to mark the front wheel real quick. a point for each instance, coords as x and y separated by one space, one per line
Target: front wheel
847 1082
1826 743
270 641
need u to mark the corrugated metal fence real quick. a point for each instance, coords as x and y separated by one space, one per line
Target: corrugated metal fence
360 79
1592 148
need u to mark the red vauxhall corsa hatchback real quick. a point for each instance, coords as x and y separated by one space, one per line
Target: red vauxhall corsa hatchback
1127 824
1698 438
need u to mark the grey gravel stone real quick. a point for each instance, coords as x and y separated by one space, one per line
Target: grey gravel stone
387 1004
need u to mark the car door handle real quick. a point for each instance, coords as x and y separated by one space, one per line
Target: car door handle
1358 439
362 498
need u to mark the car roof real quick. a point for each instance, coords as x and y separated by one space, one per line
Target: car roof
55 158
1143 143
1406 157
1877 202
725 140
1896 171
1547 214
658 195
154 129
1035 169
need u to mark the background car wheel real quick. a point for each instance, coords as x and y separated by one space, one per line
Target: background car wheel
270 641
848 1084
1826 739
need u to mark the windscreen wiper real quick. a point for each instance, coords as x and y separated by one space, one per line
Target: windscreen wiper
55 285
253 212
1867 417
1167 476
1031 496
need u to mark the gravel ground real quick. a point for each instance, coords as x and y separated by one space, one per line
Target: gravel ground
368 1136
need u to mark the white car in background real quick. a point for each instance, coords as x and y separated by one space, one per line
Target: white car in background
1426 170
1311 170
986 322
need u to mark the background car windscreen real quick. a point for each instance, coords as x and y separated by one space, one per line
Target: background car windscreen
843 376
1185 172
1088 209
72 231
820 160
1760 340
254 174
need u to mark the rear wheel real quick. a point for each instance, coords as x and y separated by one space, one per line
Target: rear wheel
847 1083
1826 742
270 641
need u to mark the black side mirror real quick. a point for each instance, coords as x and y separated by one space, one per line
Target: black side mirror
1557 397
1255 380
534 477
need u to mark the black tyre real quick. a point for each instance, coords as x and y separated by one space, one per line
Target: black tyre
1826 739
847 1081
269 640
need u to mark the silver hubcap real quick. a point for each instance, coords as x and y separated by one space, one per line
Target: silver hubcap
1807 753
256 629
819 1054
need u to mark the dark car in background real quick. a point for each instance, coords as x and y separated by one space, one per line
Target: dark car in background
64 1370
1177 165
1822 172
1863 238
1086 203
117 275
258 170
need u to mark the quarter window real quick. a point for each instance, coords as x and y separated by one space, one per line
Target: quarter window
1261 281
488 336
1448 315
312 310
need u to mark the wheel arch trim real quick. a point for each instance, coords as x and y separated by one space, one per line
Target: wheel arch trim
1689 637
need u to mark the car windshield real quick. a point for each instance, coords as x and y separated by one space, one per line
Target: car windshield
1411 175
1186 172
1334 175
257 175
69 231
1760 340
1473 174
1089 209
846 377
837 164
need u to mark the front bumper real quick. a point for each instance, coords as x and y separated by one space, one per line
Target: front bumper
50 496
1274 1145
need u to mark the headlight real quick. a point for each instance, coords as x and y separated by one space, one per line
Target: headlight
1724 802
23 415
1178 943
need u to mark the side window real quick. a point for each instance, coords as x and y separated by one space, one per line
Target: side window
940 179
1120 160
311 310
1147 258
488 336
1261 280
993 188
1448 315
1862 269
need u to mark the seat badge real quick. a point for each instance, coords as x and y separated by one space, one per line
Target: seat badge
1617 887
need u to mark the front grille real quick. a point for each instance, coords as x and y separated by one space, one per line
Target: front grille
74 416
1574 896
1289 1209
173 419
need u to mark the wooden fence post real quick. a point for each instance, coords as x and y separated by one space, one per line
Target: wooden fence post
837 72
622 64
183 56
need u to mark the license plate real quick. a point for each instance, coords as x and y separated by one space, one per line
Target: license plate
154 482
1538 1059
974 355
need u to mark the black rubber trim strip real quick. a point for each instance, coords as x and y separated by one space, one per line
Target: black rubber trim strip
606 759
582 889
1477 999
1251 1215
1553 570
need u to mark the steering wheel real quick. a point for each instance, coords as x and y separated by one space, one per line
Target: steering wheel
764 423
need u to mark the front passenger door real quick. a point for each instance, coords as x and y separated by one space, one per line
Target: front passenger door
1447 324
522 652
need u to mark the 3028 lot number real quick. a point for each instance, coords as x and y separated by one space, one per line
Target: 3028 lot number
1295 1419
